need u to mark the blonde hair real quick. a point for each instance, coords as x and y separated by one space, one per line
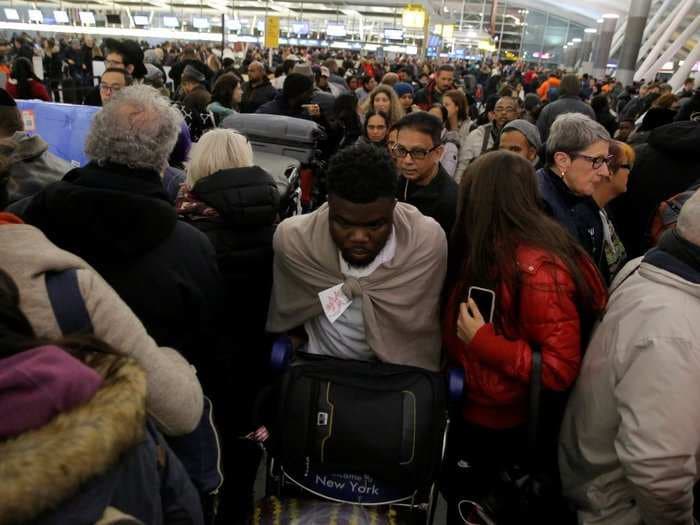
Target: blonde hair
217 150
395 113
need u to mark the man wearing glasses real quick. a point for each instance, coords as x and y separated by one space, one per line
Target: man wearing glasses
577 160
423 182
113 80
486 138
126 55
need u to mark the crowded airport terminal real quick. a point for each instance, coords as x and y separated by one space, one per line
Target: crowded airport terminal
309 262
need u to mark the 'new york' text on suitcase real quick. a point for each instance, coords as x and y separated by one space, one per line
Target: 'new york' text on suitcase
361 419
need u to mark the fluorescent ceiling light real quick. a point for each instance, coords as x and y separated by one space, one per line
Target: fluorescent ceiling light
574 40
11 14
200 23
351 13
590 30
61 17
87 17
611 16
36 16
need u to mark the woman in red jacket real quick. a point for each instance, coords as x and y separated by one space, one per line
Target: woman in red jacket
547 295
24 84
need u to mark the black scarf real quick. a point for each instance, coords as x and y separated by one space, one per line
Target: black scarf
673 244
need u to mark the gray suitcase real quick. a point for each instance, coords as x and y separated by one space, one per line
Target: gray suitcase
285 170
281 135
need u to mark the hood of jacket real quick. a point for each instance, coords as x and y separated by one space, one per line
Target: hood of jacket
104 212
51 464
28 146
244 197
678 138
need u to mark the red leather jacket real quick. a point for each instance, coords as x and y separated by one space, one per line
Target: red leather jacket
496 368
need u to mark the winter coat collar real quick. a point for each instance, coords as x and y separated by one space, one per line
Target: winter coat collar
28 146
104 214
49 465
677 256
243 197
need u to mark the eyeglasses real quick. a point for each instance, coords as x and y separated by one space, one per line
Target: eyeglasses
626 166
508 109
417 154
596 162
113 88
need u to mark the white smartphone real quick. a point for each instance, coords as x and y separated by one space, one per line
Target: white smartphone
485 300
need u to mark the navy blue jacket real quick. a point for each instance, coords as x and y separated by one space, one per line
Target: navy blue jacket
580 216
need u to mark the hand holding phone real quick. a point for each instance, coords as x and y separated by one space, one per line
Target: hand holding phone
471 314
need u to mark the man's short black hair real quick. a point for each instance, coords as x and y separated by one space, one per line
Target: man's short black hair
362 174
423 122
446 67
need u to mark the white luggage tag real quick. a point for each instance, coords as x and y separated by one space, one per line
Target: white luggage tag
334 302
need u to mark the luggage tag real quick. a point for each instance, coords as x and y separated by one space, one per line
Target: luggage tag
334 302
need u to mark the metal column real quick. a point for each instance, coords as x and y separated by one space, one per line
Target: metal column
671 50
619 37
664 38
636 21
607 30
586 49
684 71
650 40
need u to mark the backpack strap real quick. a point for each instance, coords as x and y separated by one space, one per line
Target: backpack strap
67 302
485 142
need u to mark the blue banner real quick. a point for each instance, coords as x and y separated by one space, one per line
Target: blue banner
63 126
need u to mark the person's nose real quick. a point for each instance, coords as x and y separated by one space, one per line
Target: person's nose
359 236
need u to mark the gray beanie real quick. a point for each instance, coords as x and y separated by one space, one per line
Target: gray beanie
532 134
303 69
192 73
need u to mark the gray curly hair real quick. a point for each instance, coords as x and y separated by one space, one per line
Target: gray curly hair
137 128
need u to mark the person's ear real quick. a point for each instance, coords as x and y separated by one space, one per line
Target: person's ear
531 153
562 161
130 69
437 152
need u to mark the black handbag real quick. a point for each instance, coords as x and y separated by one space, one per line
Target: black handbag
364 418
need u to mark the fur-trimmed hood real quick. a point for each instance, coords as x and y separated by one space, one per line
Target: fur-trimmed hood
42 468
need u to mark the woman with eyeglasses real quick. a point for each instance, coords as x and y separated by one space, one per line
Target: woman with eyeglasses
539 292
615 184
578 152
235 204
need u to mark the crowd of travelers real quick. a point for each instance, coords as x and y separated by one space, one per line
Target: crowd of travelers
571 199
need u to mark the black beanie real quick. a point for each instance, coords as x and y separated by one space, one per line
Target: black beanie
296 84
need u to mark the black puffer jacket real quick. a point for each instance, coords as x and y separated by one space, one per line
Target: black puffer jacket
247 201
120 221
666 165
